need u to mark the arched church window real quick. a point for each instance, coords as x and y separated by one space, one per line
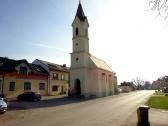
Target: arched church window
86 32
77 31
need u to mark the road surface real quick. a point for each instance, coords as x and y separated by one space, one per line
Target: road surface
119 110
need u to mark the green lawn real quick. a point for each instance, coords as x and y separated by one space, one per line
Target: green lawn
158 101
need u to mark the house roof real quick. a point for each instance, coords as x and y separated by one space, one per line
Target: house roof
38 69
80 13
98 63
8 65
53 66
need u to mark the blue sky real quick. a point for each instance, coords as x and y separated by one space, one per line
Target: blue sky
125 34
38 28
26 24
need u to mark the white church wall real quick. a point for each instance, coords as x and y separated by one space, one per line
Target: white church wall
111 85
107 85
79 60
94 83
105 82
82 75
79 44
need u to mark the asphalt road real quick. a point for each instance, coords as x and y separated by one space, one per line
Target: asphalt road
119 110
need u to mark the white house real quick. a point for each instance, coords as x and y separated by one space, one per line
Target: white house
89 76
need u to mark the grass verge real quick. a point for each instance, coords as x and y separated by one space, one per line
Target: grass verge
158 101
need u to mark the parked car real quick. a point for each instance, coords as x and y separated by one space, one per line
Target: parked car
3 106
29 96
3 96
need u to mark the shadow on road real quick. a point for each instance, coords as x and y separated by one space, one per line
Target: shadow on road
49 101
22 105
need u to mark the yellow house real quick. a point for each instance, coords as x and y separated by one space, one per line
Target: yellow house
58 77
18 76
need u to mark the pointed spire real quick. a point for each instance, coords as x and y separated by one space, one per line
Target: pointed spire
80 14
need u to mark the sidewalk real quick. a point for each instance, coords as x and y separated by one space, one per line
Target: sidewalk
158 117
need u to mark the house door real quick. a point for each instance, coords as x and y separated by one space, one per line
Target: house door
77 87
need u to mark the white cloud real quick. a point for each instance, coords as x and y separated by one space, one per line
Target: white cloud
50 47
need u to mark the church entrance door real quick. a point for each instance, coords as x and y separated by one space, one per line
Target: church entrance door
77 87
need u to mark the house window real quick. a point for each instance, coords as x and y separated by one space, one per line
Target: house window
23 70
12 86
77 59
62 77
76 44
55 76
76 31
27 86
55 88
42 86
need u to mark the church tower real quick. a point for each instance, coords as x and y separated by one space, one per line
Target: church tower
80 54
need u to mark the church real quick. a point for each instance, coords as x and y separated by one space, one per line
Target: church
89 76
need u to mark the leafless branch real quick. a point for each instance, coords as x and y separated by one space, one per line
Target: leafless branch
161 6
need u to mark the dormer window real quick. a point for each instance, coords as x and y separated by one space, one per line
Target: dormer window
77 31
55 76
23 70
62 77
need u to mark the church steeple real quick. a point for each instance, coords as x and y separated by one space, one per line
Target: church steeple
80 53
80 27
80 14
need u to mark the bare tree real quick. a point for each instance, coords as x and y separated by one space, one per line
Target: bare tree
164 81
138 82
147 85
161 6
